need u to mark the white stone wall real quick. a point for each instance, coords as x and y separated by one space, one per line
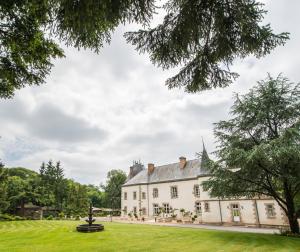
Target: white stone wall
186 200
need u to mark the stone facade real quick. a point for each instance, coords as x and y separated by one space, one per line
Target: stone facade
172 188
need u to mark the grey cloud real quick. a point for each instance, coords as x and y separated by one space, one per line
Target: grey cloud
139 139
49 122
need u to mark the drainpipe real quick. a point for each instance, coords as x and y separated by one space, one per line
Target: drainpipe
221 217
148 210
257 214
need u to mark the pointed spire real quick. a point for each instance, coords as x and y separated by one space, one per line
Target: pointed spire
204 157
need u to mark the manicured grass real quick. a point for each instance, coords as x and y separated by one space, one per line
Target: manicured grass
44 236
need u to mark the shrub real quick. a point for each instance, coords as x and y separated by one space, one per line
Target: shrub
77 217
18 218
287 232
6 217
61 215
50 217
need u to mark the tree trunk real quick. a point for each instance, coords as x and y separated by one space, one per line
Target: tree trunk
291 213
294 225
22 208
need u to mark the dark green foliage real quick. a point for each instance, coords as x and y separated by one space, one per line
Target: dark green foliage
22 191
54 184
26 50
262 143
50 189
8 217
204 37
96 196
3 188
77 201
28 30
113 188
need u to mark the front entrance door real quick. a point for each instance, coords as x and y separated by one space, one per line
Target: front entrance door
236 212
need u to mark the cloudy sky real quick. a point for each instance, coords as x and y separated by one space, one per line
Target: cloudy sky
101 112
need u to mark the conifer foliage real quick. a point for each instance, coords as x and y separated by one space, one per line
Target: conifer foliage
259 147
201 36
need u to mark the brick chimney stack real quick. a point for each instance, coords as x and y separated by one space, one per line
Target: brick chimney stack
182 162
150 168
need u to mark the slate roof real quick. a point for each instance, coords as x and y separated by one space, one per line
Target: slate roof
169 172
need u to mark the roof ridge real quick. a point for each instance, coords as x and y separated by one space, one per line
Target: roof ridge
176 163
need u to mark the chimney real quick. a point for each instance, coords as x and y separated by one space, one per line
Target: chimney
182 162
150 168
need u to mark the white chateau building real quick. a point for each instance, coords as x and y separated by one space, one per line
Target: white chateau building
172 187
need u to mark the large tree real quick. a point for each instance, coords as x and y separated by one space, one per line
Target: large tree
259 147
54 184
113 188
23 190
203 36
77 200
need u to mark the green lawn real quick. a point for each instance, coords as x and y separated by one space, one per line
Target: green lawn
44 236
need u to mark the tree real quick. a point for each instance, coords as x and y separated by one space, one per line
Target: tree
204 36
22 191
3 188
259 148
28 30
77 200
113 188
96 196
54 184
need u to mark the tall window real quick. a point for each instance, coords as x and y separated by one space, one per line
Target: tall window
270 209
125 195
198 209
155 209
155 193
166 207
206 207
134 195
174 192
125 210
134 210
197 191
144 211
143 195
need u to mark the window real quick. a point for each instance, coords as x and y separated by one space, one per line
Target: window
198 207
144 211
270 209
166 207
125 210
155 209
134 195
206 207
174 192
197 191
155 193
134 210
143 195
125 195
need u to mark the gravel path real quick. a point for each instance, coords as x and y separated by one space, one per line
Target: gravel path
202 226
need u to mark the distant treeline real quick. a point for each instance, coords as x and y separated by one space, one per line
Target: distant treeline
50 189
